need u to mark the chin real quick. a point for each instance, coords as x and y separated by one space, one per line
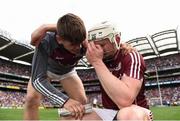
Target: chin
74 52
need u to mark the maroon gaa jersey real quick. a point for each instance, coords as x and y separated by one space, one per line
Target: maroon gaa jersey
133 66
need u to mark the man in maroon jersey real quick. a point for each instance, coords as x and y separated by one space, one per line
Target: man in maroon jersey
121 76
121 72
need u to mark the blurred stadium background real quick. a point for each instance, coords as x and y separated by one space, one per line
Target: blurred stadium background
161 52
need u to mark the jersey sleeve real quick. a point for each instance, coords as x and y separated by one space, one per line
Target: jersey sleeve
39 77
134 65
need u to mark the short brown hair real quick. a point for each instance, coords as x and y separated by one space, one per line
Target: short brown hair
71 28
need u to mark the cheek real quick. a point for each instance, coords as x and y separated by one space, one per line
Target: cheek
67 47
107 48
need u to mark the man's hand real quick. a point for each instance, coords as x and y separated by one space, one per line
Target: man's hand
40 33
94 53
75 107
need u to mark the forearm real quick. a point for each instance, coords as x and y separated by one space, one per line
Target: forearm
39 78
50 27
44 87
38 34
116 89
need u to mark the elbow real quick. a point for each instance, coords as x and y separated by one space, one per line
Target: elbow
125 102
33 84
36 35
33 39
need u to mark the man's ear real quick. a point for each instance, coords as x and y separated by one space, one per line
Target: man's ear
118 39
59 39
85 43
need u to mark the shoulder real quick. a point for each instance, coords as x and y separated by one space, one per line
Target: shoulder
49 40
134 65
133 56
49 37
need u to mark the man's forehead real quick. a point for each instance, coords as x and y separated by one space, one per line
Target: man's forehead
101 41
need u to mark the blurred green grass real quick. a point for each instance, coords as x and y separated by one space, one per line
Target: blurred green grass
160 113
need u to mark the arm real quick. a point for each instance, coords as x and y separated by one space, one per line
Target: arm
122 92
40 81
43 86
40 32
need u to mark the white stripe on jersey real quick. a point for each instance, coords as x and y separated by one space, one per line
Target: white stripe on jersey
131 65
54 97
135 65
44 92
51 94
139 68
35 84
